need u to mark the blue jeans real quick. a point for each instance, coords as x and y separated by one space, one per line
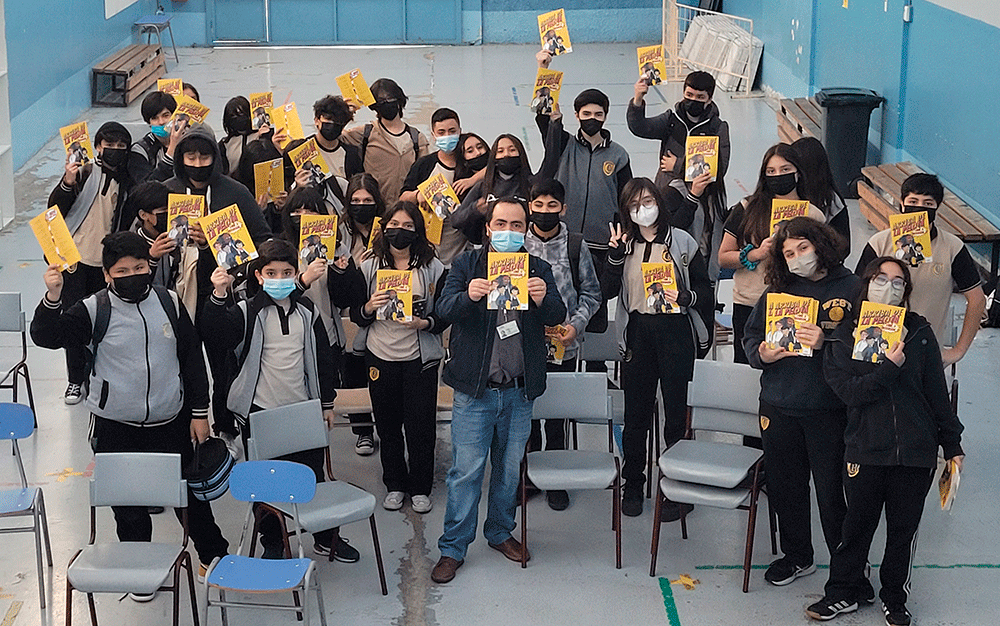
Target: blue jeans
498 425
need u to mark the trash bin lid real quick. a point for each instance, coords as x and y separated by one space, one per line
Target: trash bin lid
848 96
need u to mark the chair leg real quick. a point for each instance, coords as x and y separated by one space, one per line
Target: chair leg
654 547
194 598
225 615
69 604
616 513
31 397
319 601
298 603
45 527
684 525
524 513
748 550
93 609
173 43
378 555
37 531
176 591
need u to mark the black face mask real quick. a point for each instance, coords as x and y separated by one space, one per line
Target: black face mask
199 174
477 163
782 184
330 130
400 238
694 108
591 126
362 213
296 221
132 288
544 221
509 165
386 110
240 125
931 213
161 222
112 158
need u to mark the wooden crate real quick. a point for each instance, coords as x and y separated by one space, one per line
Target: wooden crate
798 118
126 74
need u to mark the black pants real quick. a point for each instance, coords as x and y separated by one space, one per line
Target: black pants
555 430
659 349
901 491
741 313
134 523
355 376
794 446
86 280
222 364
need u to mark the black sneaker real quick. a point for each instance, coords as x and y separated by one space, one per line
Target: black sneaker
896 615
867 592
365 445
783 571
73 395
632 504
558 499
273 553
344 552
828 608
671 511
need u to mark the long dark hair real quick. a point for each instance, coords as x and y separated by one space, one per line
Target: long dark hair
365 181
633 189
817 186
872 270
421 250
831 249
300 198
462 169
489 178
757 215
257 151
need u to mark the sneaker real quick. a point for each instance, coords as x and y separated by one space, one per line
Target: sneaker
141 597
558 499
672 511
344 552
235 450
421 504
783 571
393 501
365 445
73 395
896 615
632 504
202 572
828 608
866 592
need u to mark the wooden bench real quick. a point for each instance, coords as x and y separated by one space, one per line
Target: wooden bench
798 118
122 77
879 192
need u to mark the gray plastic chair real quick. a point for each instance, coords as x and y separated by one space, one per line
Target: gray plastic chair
583 395
12 321
722 398
298 427
132 479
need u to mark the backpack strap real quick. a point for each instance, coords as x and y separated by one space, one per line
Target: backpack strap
363 148
415 136
573 245
101 319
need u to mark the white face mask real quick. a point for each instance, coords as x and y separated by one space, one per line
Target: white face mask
804 265
885 294
646 215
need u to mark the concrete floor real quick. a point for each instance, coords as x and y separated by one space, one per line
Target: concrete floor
571 578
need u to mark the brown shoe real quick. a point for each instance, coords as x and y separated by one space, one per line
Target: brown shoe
444 571
512 549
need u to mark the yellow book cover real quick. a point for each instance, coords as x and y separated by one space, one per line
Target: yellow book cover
269 179
286 117
508 275
54 238
76 140
173 86
307 157
657 277
317 238
554 32
399 286
546 93
438 194
376 223
701 155
911 238
555 351
189 110
948 484
880 326
785 210
182 210
229 237
354 89
652 65
433 224
260 109
785 315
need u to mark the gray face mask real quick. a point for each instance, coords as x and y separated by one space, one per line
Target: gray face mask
885 293
804 265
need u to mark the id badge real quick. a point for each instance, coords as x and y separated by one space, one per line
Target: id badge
508 330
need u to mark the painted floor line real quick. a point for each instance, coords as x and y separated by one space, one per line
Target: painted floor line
15 608
668 603
874 565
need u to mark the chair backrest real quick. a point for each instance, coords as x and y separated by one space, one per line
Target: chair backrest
17 421
11 315
138 479
601 346
272 481
574 395
287 429
724 397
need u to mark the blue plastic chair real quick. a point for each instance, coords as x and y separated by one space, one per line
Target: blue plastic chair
17 421
273 482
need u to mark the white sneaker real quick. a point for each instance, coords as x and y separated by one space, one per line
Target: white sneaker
393 501
365 445
233 445
142 597
421 504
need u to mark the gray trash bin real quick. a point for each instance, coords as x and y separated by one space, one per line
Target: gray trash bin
847 111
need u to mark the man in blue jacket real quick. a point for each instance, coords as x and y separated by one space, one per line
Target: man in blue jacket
497 369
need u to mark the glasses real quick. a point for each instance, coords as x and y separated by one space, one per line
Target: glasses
882 280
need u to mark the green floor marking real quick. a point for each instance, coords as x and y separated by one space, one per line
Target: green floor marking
668 603
874 565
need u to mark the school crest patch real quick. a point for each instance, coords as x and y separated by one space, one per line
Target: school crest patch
764 422
853 469
373 373
609 168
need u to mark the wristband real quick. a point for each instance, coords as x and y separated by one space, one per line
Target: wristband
746 262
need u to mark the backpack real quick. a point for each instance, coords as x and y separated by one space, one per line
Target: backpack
103 318
363 148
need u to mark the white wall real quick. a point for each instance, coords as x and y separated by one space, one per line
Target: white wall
983 10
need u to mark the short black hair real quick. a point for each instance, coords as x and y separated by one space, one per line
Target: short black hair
199 144
112 132
923 185
443 114
506 200
193 89
701 81
388 89
147 196
591 96
334 107
155 102
123 244
549 187
276 250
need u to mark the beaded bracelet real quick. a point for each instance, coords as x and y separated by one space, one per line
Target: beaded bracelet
746 262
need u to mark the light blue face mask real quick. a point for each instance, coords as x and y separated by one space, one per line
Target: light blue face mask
160 131
446 143
279 288
507 240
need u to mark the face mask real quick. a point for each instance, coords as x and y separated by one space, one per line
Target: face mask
782 184
506 240
279 288
113 157
931 213
804 265
296 221
545 221
240 125
400 238
330 130
133 289
509 165
160 131
591 126
446 143
885 294
362 213
161 222
694 108
646 215
386 110
477 163
199 174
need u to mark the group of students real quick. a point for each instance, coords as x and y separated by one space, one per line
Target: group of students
274 335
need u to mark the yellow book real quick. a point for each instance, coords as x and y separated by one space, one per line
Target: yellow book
657 277
437 193
508 275
260 109
554 32
785 315
173 86
375 228
399 285
911 238
286 117
307 157
76 140
701 155
353 88
182 210
228 236
433 224
317 238
269 179
880 326
54 238
189 110
546 93
555 351
948 484
785 210
652 65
